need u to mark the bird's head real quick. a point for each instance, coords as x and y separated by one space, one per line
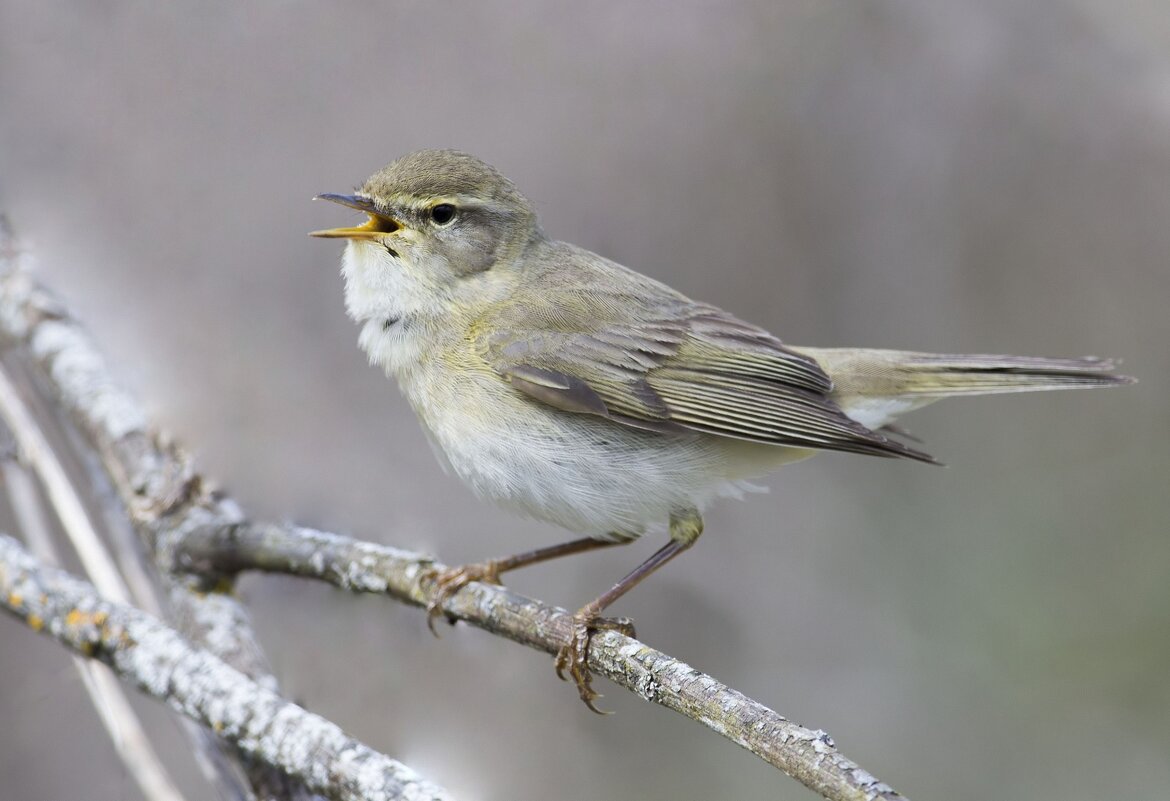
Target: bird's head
437 220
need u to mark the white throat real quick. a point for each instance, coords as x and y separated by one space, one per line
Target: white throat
384 286
393 301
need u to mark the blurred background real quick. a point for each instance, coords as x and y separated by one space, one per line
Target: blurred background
988 176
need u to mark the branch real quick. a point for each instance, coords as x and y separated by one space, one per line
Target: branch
808 756
31 452
120 720
154 482
196 683
187 526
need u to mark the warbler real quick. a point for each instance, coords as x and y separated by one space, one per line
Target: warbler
574 390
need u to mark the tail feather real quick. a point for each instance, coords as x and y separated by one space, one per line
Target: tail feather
946 374
895 373
875 386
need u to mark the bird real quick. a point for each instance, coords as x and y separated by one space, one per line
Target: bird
574 390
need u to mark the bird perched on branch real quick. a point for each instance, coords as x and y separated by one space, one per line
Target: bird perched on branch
579 392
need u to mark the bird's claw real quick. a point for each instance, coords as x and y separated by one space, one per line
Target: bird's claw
573 657
450 581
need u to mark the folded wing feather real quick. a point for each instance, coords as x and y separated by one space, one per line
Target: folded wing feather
682 366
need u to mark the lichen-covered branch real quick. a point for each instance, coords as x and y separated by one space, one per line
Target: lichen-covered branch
154 481
113 709
196 683
809 756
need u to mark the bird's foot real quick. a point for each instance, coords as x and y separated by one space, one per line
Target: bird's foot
573 657
452 580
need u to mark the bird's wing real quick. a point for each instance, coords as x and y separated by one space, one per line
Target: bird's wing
673 365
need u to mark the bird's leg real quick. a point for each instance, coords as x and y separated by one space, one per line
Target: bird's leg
450 581
573 657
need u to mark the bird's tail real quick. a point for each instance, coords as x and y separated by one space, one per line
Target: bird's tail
877 385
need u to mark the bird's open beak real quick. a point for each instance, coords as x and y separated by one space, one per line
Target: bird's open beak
377 226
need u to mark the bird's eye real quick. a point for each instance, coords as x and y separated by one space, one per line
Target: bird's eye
442 213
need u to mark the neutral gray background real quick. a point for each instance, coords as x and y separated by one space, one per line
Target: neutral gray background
991 175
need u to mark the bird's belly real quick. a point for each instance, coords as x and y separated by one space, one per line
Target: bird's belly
585 473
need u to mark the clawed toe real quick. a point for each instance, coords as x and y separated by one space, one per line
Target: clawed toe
572 661
452 580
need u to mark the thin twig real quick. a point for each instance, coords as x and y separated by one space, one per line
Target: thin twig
34 448
810 756
198 684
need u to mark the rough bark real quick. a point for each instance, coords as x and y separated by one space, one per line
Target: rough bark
809 756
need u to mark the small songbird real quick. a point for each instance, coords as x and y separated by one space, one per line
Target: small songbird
574 390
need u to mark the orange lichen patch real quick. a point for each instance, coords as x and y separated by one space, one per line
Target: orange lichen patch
15 599
78 617
35 622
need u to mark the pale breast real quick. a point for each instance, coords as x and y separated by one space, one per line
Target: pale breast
583 473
